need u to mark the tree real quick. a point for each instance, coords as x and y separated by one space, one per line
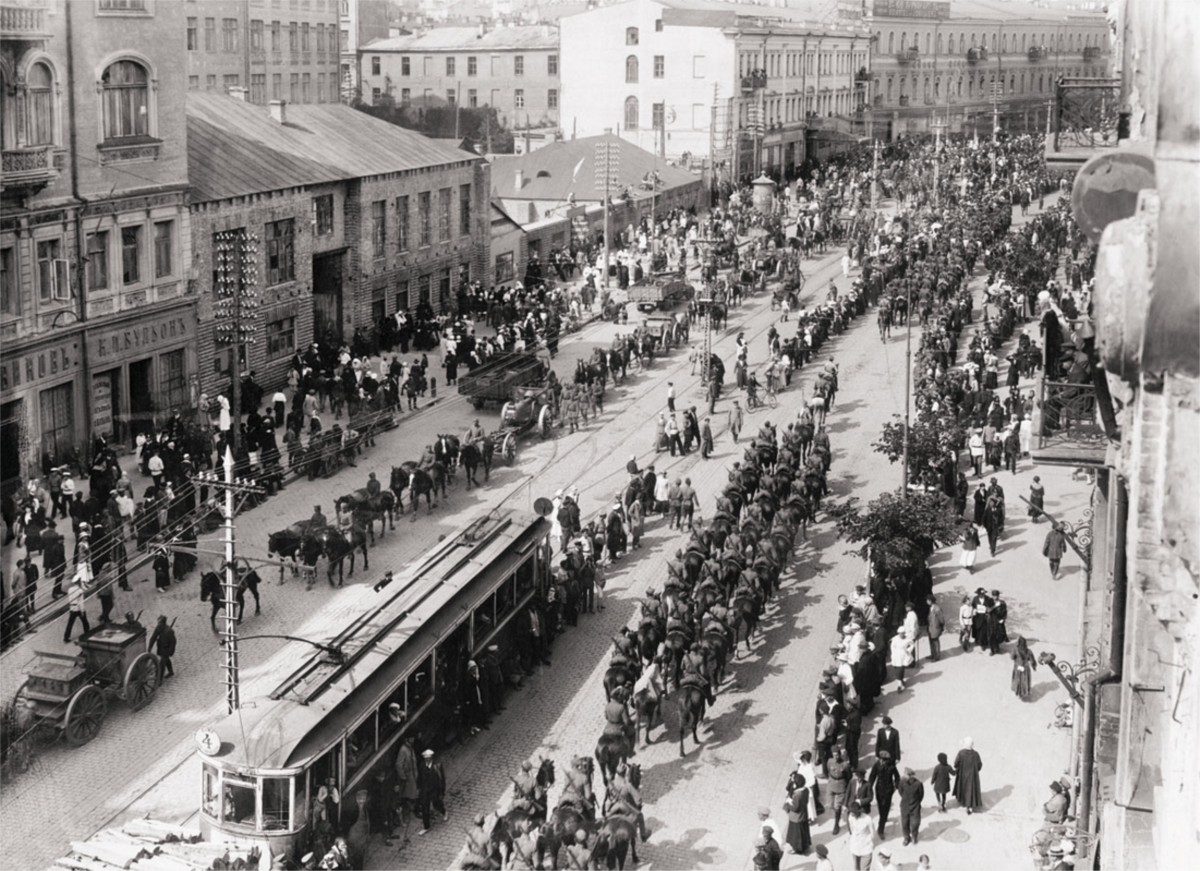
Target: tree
897 533
927 443
478 125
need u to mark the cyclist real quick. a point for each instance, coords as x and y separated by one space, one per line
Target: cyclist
752 400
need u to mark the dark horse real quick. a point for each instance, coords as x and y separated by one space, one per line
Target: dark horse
474 454
691 710
335 547
420 483
368 509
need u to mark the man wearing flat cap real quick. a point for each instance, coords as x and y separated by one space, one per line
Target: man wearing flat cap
887 738
912 792
884 779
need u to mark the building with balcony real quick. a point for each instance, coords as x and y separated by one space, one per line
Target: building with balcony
360 22
275 49
736 87
968 60
345 219
97 316
514 70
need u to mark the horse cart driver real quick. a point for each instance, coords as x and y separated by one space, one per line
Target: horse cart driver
525 406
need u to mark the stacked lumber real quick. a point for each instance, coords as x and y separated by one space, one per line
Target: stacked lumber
150 845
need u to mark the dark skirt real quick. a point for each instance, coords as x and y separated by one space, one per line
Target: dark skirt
799 837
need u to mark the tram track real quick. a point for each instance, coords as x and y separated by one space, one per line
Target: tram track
586 449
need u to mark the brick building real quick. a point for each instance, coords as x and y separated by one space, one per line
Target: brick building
97 325
351 218
512 69
276 49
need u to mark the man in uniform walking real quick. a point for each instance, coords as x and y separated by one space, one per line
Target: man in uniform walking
736 421
431 787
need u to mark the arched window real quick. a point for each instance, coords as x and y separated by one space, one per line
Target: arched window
937 88
928 91
1004 43
1042 83
39 105
1022 42
878 42
631 36
126 100
939 42
891 41
971 87
960 80
889 89
928 42
995 42
631 113
1012 83
631 69
903 40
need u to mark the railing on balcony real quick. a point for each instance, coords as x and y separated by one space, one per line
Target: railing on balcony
904 101
23 19
757 80
1092 53
862 75
1070 417
976 55
1037 53
1086 113
908 56
27 167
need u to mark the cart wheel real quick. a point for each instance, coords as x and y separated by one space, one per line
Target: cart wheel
85 713
505 410
544 422
141 681
509 448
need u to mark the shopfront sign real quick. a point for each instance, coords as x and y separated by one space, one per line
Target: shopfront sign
45 363
133 340
102 403
927 9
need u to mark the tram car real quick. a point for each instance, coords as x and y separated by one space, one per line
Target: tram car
333 721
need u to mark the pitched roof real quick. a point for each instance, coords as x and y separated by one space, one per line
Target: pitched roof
553 171
1005 10
724 13
469 39
236 148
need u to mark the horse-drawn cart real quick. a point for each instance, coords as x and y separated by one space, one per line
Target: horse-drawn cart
660 294
71 693
665 331
531 408
496 379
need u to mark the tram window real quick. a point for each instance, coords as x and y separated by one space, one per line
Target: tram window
485 619
238 804
276 803
525 578
505 600
420 685
327 768
211 788
389 725
360 746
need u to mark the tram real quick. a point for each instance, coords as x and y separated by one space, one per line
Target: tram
330 722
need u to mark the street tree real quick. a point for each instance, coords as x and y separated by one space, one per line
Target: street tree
895 533
928 441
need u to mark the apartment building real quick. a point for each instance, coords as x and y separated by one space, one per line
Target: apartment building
515 70
360 22
275 49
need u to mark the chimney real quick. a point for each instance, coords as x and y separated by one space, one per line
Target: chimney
238 93
279 111
520 179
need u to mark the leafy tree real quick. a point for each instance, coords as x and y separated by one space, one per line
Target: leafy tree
897 533
440 121
928 442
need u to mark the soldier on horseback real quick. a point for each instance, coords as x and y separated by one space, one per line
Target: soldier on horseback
530 794
577 791
694 664
624 799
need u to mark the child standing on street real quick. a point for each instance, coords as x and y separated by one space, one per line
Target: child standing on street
941 780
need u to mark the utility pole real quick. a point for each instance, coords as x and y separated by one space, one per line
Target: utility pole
907 379
875 177
607 157
938 124
236 311
229 639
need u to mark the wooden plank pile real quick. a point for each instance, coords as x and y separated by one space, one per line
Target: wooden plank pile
149 845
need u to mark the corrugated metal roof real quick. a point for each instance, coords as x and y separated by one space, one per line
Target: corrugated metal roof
560 160
236 148
469 39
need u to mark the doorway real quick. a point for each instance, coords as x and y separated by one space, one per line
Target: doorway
141 397
327 298
12 424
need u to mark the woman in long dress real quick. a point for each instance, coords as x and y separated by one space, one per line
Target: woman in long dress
1037 499
967 766
799 836
1024 662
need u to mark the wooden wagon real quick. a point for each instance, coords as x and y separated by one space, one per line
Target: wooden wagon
71 694
660 294
495 380
531 408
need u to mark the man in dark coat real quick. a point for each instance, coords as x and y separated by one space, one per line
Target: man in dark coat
431 788
912 792
884 779
54 557
853 727
162 642
888 739
997 620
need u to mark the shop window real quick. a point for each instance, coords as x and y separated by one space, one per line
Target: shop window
464 210
39 105
53 271
504 267
276 804
126 100
97 261
323 214
281 338
131 254
174 381
379 227
10 299
58 420
281 264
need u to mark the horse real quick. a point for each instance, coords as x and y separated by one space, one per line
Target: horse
446 451
560 829
611 750
335 548
470 457
747 610
620 673
368 509
419 482
616 837
212 590
647 706
692 703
